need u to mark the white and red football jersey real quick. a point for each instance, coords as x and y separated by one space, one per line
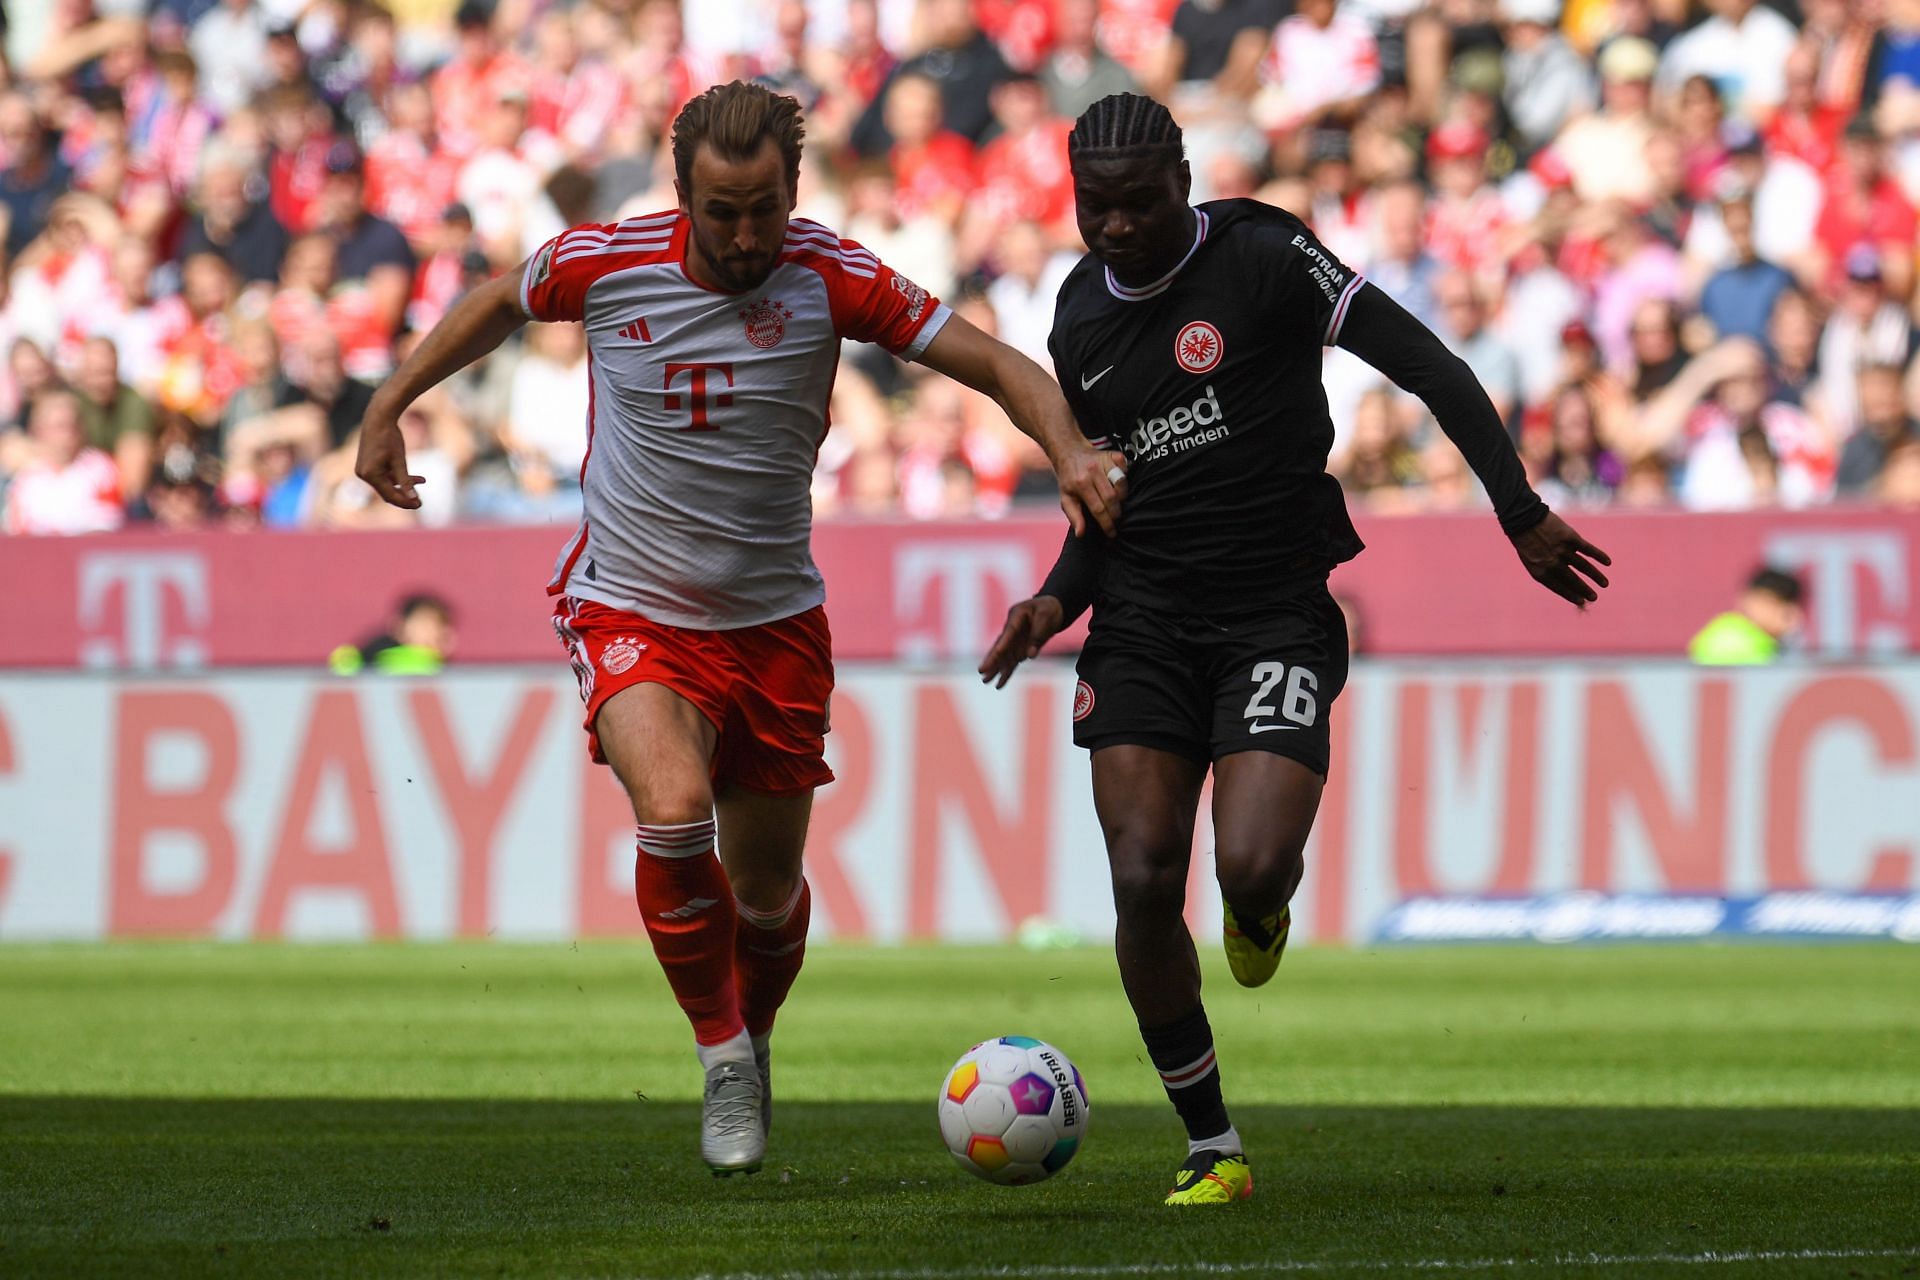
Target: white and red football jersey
706 411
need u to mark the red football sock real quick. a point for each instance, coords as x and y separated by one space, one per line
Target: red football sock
687 904
769 947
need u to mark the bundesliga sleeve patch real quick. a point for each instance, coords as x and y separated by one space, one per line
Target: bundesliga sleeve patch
542 265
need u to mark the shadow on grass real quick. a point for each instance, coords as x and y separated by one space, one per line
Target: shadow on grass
357 1186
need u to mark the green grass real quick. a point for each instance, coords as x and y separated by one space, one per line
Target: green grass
529 1111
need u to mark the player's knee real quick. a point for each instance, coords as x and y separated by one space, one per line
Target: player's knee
1263 875
1146 881
671 806
765 891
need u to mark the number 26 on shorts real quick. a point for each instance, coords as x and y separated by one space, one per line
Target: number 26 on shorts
1296 702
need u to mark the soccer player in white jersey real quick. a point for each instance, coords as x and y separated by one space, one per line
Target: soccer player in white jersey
688 599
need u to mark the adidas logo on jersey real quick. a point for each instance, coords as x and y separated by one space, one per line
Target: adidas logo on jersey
637 331
1151 433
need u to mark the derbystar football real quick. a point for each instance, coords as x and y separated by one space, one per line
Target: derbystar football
1013 1110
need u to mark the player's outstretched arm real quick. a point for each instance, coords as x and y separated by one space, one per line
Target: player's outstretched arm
1065 595
1030 624
1092 482
476 325
1382 332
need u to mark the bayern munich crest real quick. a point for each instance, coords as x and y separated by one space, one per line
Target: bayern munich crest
766 322
621 655
1082 701
1198 347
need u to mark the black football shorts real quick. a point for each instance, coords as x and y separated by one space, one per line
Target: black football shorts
1206 689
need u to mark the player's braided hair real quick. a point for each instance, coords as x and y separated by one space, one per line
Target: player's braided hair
1126 124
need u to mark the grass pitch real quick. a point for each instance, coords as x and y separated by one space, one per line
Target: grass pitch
529 1111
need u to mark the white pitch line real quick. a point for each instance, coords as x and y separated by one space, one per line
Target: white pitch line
1314 1265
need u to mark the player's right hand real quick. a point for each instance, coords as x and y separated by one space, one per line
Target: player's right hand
1030 624
1093 484
382 461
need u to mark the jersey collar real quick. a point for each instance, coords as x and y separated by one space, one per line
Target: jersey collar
1159 286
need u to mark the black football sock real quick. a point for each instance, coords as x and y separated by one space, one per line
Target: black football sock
1182 1052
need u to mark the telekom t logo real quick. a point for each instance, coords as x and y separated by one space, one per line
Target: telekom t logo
960 575
697 380
143 582
1835 561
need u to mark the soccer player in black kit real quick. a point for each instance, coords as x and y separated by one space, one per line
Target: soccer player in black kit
1190 340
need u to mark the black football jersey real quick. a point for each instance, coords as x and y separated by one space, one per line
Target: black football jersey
1209 381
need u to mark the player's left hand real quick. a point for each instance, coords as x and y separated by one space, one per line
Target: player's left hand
1093 482
1030 624
1553 551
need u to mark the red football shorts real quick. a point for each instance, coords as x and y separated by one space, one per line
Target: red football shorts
764 689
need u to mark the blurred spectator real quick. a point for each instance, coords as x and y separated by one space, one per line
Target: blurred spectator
544 439
117 419
373 264
1400 265
1380 461
933 165
179 505
1078 73
33 175
960 63
1793 348
1213 50
1463 324
1606 152
1023 172
229 45
411 178
1030 276
1767 613
1467 223
918 247
299 133
468 86
1885 426
1738 299
1545 83
1654 354
63 485
1867 327
1640 277
1783 197
1579 470
499 182
1742 48
1739 449
231 223
417 642
1319 70
1865 209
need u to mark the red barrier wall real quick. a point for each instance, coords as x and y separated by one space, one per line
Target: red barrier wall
1427 585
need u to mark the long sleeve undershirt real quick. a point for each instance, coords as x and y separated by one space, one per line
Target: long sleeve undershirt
1381 332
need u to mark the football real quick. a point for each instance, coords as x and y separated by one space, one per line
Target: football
1013 1110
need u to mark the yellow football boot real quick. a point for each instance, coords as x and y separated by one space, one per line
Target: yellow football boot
1210 1177
1253 950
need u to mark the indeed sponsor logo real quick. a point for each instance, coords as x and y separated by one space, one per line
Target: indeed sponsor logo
1156 437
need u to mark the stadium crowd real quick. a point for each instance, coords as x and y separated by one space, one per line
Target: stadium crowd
1676 245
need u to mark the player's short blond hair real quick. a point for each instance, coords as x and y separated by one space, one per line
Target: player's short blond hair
736 120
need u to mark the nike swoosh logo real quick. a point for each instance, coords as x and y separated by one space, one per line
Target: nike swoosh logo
1086 383
1269 728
